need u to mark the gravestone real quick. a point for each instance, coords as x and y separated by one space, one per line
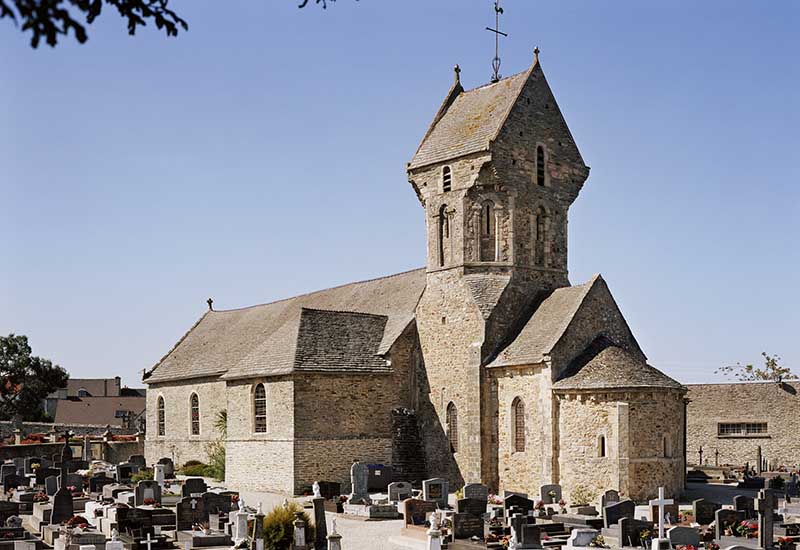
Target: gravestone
581 538
703 511
138 460
507 494
75 465
330 490
51 485
193 486
683 536
147 491
188 511
321 533
467 526
670 511
7 469
551 494
169 467
746 505
135 522
97 482
524 534
476 490
415 511
726 519
62 506
765 506
617 511
380 476
43 473
630 530
29 463
474 506
8 509
525 505
399 491
73 480
13 481
158 474
216 502
111 490
609 497
125 471
359 482
436 490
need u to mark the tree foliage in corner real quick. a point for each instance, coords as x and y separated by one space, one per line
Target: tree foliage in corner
772 370
25 380
50 18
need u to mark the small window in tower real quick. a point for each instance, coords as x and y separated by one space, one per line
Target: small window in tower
487 223
260 408
540 165
518 411
447 179
601 446
452 427
194 414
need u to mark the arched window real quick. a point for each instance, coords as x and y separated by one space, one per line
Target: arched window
540 244
518 424
260 408
162 421
447 179
452 427
540 165
601 446
194 414
444 234
667 449
488 230
487 219
83 392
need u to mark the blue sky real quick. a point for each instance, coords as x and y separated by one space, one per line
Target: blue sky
262 154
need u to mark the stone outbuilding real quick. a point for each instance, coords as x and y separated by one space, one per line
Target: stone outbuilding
487 365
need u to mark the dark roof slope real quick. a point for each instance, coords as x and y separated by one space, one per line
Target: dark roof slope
97 410
470 122
340 341
263 340
606 366
545 327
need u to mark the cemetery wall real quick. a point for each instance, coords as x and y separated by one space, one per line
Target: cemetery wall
119 451
261 461
7 429
331 459
580 425
178 443
527 469
750 402
116 451
450 325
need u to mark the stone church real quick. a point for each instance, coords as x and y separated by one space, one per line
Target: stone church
486 365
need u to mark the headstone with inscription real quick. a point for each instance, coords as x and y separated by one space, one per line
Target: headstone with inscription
193 486
703 511
476 490
147 492
683 536
436 490
525 505
415 511
617 511
466 526
746 505
399 491
551 494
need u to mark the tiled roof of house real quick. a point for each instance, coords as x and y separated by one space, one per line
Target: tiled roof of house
545 327
606 366
97 410
283 336
470 122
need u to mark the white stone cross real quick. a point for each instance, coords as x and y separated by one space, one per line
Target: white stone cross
661 502
149 542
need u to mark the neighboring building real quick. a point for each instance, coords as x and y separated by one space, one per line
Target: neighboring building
731 421
97 401
516 377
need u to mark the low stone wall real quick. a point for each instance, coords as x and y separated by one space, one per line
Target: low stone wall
7 429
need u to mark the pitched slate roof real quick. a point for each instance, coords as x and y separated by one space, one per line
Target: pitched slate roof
545 327
606 366
471 122
270 339
97 410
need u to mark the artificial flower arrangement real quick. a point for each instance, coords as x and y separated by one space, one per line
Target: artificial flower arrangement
598 542
494 499
562 504
747 529
40 497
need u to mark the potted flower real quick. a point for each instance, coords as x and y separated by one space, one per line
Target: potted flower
712 546
598 542
786 543
747 529
149 501
494 499
562 504
539 506
645 536
40 497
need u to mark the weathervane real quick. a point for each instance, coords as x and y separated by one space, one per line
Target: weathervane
498 11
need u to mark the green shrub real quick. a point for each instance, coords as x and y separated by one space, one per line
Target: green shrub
216 460
279 527
142 475
198 469
192 463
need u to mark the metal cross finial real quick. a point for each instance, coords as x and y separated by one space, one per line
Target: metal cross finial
210 303
498 11
457 73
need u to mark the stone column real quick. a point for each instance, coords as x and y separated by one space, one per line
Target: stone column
334 539
17 437
320 542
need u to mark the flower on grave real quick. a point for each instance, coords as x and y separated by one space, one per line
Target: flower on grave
77 521
539 505
686 547
71 488
149 501
234 498
40 497
35 465
551 494
598 542
712 546
644 535
494 499
343 499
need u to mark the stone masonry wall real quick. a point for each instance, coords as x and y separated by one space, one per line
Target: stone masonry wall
177 443
754 402
523 471
261 461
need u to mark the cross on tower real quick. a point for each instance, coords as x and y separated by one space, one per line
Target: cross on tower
498 11
660 502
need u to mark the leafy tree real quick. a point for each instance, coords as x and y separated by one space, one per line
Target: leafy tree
25 380
772 370
50 18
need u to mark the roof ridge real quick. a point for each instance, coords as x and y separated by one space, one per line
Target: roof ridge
305 294
147 373
528 72
498 82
